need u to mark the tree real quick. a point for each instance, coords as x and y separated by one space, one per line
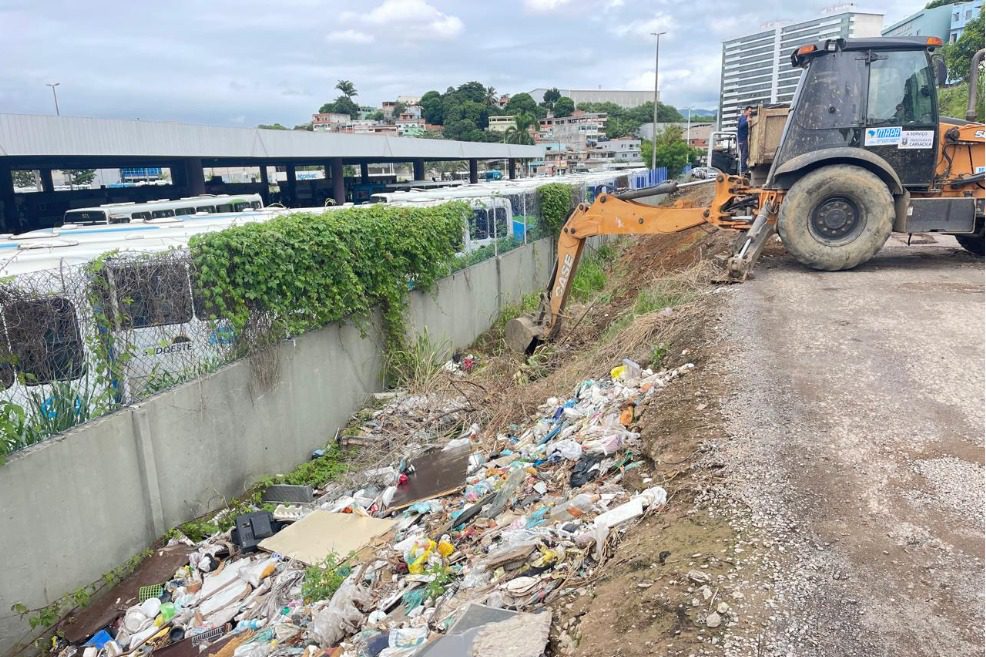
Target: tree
431 107
272 126
399 108
341 105
23 178
551 96
347 88
376 116
521 104
952 101
940 3
958 55
491 96
672 151
80 177
564 106
304 126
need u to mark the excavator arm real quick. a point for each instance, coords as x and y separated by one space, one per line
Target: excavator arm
622 215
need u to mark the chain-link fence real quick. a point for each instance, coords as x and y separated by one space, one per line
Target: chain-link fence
81 341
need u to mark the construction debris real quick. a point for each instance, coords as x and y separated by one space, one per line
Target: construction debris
451 547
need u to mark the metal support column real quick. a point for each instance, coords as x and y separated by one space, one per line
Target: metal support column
338 181
364 172
290 190
9 222
47 183
194 175
511 168
473 171
419 169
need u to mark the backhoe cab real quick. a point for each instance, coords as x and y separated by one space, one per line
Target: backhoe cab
861 153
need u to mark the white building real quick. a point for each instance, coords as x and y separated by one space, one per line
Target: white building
756 68
502 123
615 150
622 97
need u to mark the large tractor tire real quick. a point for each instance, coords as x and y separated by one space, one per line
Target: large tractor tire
836 217
974 243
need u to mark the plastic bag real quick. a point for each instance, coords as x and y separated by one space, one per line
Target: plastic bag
567 449
341 616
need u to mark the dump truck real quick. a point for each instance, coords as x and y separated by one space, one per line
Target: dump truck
862 153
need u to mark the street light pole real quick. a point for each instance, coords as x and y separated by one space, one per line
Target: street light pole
657 59
54 95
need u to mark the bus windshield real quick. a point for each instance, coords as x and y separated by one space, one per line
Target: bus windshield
85 217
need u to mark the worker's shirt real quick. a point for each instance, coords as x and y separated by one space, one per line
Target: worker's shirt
743 129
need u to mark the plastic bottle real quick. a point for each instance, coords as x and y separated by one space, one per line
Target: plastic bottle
576 507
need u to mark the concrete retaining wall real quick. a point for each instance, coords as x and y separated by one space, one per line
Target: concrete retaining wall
81 504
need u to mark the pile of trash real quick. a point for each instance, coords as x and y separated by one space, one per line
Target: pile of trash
457 551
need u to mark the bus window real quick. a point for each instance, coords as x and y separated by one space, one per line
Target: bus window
85 217
161 214
119 219
500 217
240 206
141 215
206 208
183 211
151 294
45 339
225 207
255 205
479 225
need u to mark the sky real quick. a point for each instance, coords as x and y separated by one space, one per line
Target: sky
245 62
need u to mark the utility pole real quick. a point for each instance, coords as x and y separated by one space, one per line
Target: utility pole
657 60
54 95
688 128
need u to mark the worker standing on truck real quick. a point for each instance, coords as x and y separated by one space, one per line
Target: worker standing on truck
743 138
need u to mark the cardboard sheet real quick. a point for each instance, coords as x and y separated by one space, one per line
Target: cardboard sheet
320 533
435 474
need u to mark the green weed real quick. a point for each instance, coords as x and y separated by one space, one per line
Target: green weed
416 363
322 581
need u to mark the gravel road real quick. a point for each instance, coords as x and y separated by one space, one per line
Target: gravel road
855 414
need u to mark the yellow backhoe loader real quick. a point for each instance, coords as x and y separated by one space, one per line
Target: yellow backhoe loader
862 153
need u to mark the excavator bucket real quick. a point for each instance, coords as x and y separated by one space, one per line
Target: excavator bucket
522 334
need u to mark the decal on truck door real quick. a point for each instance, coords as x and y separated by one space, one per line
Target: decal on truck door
910 139
882 136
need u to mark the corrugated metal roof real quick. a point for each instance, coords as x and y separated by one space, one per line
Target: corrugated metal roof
23 135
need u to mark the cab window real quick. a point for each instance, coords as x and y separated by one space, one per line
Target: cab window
155 294
500 220
479 225
901 89
45 341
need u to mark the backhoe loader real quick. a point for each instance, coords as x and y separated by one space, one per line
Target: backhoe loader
863 153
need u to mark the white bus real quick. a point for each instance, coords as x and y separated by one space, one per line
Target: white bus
125 213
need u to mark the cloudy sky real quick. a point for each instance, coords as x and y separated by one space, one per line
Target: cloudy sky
243 62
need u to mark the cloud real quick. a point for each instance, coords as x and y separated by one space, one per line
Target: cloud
215 72
544 6
642 30
407 20
348 36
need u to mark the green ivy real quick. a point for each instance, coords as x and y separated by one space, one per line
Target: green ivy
302 271
557 202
